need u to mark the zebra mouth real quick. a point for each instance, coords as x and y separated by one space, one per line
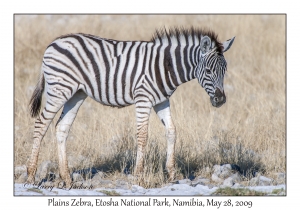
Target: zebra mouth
218 101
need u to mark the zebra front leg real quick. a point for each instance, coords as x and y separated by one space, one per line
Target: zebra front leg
164 114
143 108
62 131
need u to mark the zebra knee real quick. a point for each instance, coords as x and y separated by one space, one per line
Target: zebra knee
171 134
62 132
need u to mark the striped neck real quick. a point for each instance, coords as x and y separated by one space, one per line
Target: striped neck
180 57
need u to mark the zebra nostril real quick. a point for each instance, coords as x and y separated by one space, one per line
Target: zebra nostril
216 99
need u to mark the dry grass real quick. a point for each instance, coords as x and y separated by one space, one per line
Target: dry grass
249 130
109 193
227 191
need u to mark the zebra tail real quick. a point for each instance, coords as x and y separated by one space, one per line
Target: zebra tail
36 98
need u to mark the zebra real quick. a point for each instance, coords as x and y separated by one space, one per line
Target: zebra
122 73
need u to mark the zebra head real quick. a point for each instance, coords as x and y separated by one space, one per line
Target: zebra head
211 69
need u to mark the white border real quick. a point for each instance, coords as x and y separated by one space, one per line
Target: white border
154 6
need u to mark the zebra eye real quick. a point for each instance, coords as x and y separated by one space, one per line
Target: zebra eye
208 71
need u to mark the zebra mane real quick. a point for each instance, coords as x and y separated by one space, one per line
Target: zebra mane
186 32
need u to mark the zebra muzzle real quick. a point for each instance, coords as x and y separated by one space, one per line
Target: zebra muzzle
218 99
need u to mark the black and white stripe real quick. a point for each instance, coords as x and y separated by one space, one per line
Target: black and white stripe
114 72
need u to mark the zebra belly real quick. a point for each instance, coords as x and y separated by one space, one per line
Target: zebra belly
109 95
119 103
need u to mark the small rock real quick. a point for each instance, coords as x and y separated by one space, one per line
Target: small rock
254 181
135 188
98 176
223 171
226 167
228 182
217 169
260 181
215 178
19 170
201 181
184 181
77 177
236 177
22 178
264 181
122 184
226 171
205 181
96 183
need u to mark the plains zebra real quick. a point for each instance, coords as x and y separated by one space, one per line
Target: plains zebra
121 73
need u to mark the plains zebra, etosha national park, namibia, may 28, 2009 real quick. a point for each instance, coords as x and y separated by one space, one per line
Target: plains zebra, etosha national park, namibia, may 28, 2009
121 73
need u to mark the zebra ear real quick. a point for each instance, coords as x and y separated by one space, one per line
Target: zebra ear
227 44
205 44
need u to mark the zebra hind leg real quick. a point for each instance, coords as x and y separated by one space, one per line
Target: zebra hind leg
40 128
62 130
164 114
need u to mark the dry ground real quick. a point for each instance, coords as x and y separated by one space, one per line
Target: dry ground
249 130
